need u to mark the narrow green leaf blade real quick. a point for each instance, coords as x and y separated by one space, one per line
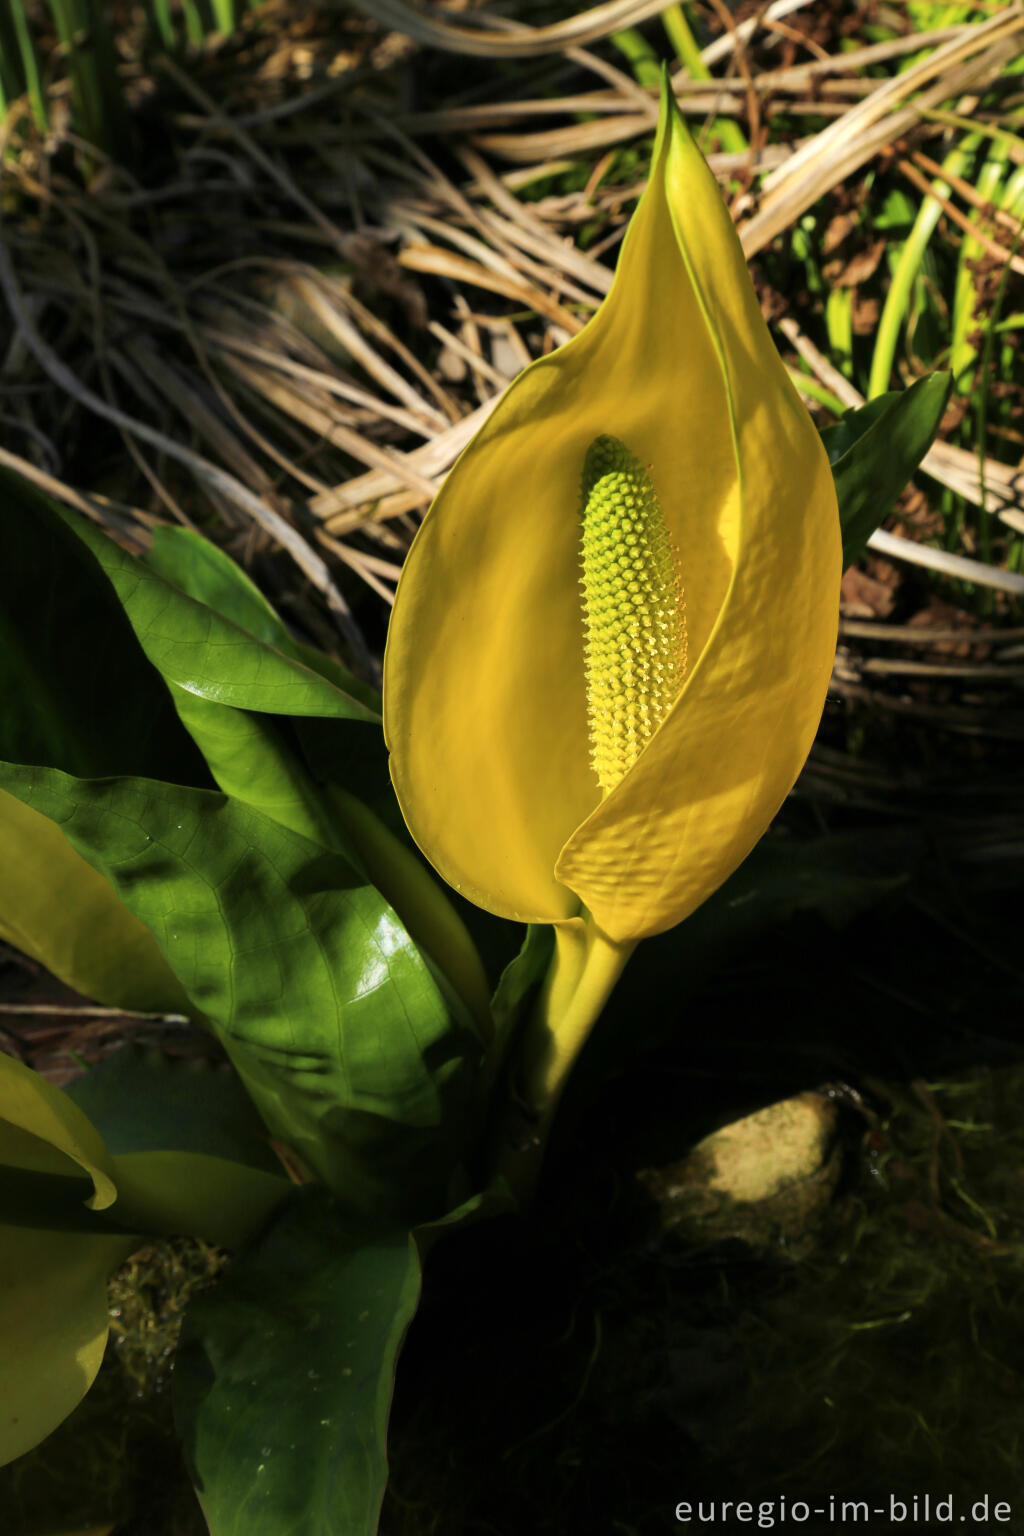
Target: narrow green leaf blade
249 753
875 450
249 757
210 576
283 1378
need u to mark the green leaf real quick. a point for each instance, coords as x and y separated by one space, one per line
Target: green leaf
249 753
351 768
331 1015
232 670
852 425
249 758
53 1291
283 1379
190 1154
53 1326
49 1202
189 1194
206 573
255 756
496 1199
42 1131
193 646
522 976
876 449
77 690
55 908
141 1100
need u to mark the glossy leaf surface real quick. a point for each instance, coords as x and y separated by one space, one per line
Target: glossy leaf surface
324 778
333 1018
284 1376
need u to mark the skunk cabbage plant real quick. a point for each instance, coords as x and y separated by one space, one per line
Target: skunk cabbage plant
608 655
613 634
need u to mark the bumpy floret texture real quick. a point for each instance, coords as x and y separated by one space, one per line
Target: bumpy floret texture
634 615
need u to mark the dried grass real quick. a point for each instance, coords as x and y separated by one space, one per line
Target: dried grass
315 405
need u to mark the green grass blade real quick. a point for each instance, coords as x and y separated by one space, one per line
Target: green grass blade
83 27
163 23
962 354
639 54
224 15
906 272
29 64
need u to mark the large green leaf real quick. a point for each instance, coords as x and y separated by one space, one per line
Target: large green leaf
875 449
194 646
336 1023
283 1378
141 1100
77 690
53 1326
330 781
206 573
232 671
58 910
249 751
189 1152
42 1131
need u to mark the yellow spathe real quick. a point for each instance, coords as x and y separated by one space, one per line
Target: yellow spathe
485 702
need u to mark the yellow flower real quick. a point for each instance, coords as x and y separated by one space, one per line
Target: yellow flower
595 704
